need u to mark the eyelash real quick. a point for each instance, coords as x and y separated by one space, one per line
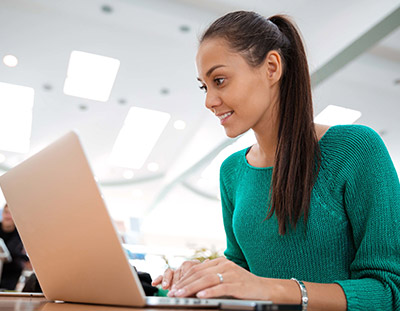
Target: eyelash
203 88
217 82
218 79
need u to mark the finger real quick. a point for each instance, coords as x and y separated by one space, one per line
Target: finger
198 271
167 278
179 273
177 276
198 284
157 280
185 267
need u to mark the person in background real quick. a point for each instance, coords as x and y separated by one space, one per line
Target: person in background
311 212
12 270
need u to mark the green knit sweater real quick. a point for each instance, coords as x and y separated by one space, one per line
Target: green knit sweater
353 229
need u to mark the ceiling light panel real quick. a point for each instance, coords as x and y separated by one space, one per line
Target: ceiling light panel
335 115
90 76
16 104
139 134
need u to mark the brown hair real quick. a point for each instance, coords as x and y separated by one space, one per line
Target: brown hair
297 157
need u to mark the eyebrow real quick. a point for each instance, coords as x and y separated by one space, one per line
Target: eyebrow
209 72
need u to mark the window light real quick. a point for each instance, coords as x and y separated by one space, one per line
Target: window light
139 134
335 115
16 104
90 76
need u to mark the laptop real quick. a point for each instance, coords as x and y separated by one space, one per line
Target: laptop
71 240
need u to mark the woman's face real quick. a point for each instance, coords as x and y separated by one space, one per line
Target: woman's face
241 96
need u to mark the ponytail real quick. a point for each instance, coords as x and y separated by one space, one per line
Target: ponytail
297 156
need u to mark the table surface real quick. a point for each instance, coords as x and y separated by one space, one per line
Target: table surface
14 302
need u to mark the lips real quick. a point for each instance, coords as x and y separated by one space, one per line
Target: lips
223 117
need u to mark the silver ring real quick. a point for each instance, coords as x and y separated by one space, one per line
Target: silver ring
221 279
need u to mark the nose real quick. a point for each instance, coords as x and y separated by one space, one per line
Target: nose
212 101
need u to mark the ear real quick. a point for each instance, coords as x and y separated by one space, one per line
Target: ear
273 66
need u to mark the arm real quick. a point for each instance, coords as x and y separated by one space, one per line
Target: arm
202 281
233 251
372 203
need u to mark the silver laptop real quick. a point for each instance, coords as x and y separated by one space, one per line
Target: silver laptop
71 240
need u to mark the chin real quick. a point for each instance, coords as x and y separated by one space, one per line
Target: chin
232 134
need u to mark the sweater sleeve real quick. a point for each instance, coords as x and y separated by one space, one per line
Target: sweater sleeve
372 203
233 251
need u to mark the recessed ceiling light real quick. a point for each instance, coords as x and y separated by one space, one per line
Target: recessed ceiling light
90 76
107 9
47 87
2 158
128 174
138 136
16 104
180 125
184 28
10 60
153 167
83 107
334 115
164 91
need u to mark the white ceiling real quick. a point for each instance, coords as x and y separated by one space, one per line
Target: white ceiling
157 58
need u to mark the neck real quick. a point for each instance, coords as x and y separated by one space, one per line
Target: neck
266 133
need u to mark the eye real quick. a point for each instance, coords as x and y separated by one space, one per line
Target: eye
219 81
203 88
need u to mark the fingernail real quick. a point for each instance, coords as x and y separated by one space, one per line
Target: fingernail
201 294
173 287
164 284
180 292
171 293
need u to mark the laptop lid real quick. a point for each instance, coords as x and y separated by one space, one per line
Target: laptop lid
77 257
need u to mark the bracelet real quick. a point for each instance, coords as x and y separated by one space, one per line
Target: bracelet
303 290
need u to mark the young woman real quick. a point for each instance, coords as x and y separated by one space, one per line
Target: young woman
306 202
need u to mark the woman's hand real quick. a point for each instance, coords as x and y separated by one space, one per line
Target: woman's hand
171 277
221 277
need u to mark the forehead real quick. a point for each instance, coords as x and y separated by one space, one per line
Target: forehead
213 52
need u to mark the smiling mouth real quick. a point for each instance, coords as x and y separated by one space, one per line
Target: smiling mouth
225 116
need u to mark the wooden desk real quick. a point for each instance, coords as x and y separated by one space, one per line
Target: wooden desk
10 302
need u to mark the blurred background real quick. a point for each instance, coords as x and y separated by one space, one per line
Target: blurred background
121 73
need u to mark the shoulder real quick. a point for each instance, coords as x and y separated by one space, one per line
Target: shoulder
234 160
352 139
232 165
355 149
